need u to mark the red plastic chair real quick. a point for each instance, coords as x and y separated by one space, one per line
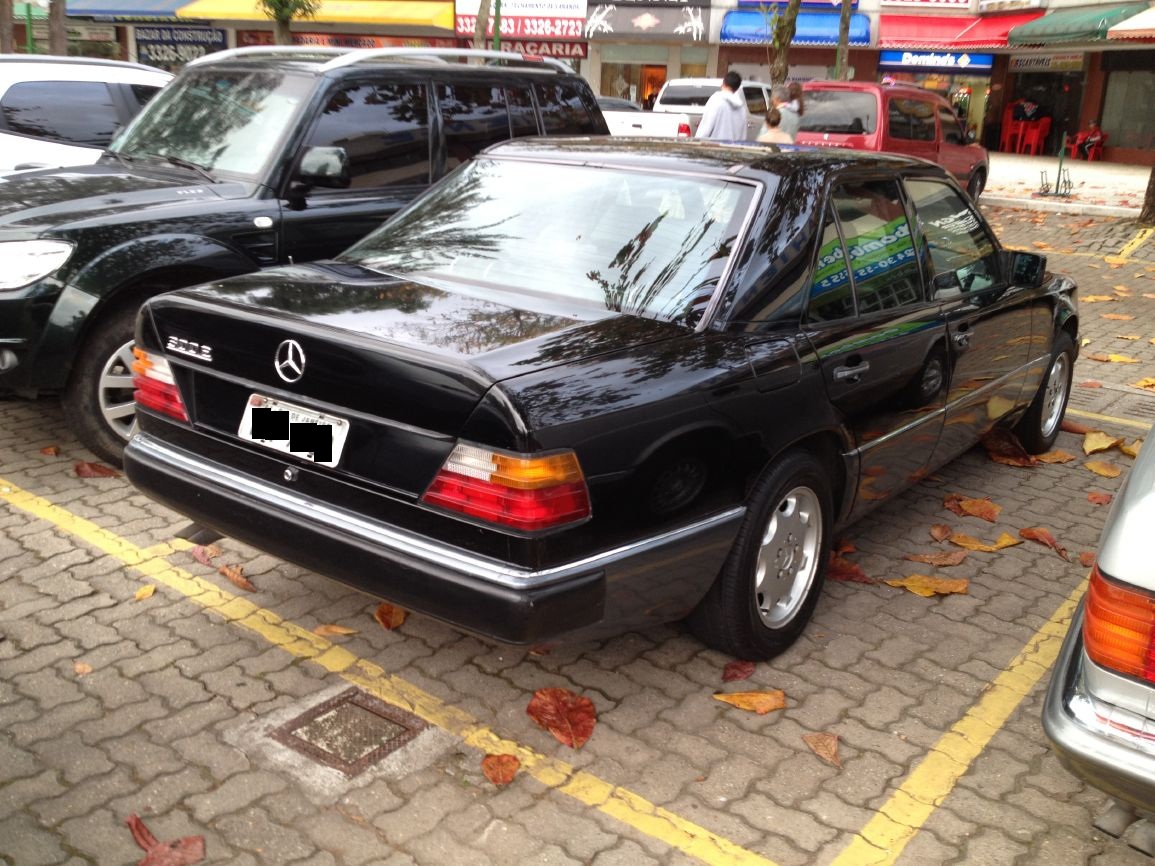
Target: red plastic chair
1012 131
1073 145
1095 151
1035 133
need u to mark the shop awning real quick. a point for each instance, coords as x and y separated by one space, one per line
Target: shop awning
949 33
135 9
1141 26
21 12
812 28
406 13
1086 24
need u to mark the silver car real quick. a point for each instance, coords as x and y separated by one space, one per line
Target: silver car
1100 706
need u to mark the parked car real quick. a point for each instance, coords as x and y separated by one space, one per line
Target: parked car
58 111
1100 707
627 118
689 96
584 385
251 158
864 115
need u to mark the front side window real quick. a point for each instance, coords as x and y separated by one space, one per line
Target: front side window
226 121
384 130
879 246
564 111
475 117
577 237
69 112
951 131
962 254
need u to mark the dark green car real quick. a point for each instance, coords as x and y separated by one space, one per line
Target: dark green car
250 158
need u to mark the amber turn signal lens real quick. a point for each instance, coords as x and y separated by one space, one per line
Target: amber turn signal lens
1119 627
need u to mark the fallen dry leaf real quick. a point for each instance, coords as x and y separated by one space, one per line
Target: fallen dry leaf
331 630
1116 317
939 560
50 450
1113 358
1131 450
1086 559
756 702
843 547
1095 299
1004 447
1090 383
981 508
389 616
1107 470
1148 382
205 554
940 532
81 668
84 469
1099 498
236 576
144 592
737 670
926 585
824 746
1043 536
1074 427
500 769
1128 337
1096 441
179 852
972 543
1056 456
845 570
569 717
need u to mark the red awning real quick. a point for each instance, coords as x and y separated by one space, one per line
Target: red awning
949 32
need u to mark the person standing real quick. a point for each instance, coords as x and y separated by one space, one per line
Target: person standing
724 118
773 133
780 96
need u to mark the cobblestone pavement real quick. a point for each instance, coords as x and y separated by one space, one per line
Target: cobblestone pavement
164 705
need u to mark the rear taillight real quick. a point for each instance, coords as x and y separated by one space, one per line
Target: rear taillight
525 492
684 130
1119 627
153 385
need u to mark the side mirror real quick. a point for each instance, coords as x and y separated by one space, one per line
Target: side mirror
324 167
1027 269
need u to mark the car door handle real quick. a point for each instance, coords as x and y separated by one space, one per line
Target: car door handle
851 375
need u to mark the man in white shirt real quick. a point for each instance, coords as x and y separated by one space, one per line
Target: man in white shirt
724 118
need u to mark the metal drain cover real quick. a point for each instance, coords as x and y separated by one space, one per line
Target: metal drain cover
349 732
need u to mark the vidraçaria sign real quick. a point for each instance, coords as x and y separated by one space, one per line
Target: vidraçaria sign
960 62
527 19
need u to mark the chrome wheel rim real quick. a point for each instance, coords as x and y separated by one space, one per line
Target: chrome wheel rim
787 561
1055 395
114 392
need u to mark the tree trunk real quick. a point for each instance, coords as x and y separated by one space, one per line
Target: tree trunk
784 29
6 27
57 28
841 61
1147 215
479 40
282 33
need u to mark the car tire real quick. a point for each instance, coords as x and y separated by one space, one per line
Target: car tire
770 584
1039 427
97 401
976 185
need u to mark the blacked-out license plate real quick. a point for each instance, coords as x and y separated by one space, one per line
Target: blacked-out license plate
293 429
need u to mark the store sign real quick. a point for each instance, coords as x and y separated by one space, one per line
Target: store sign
1008 5
1047 63
526 19
564 50
173 46
930 4
78 32
345 40
936 60
780 5
688 24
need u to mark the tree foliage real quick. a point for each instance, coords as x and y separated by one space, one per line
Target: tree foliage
284 12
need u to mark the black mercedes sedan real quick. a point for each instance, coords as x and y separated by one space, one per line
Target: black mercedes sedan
584 385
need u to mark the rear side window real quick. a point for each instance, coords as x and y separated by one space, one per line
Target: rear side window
69 112
141 94
384 129
951 131
839 111
755 100
522 117
564 111
688 94
910 119
475 117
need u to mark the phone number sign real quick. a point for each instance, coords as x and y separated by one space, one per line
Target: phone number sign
527 19
174 46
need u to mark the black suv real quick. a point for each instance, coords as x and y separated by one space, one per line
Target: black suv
250 158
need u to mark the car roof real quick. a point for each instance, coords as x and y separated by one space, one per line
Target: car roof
712 82
706 156
905 90
17 68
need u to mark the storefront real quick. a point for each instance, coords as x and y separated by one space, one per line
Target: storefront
964 79
634 47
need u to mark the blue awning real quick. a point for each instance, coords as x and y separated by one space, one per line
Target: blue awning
130 9
813 28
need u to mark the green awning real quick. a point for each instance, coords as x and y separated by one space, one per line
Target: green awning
1087 24
20 12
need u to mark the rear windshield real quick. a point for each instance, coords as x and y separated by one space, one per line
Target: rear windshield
579 237
688 94
844 112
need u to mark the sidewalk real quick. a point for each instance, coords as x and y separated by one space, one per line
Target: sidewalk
1098 188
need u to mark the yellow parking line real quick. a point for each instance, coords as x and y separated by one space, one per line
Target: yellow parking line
1129 248
1111 419
624 805
885 836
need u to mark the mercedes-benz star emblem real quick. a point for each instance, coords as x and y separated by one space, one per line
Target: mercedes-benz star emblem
290 361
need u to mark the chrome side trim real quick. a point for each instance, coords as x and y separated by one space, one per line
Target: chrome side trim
406 544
